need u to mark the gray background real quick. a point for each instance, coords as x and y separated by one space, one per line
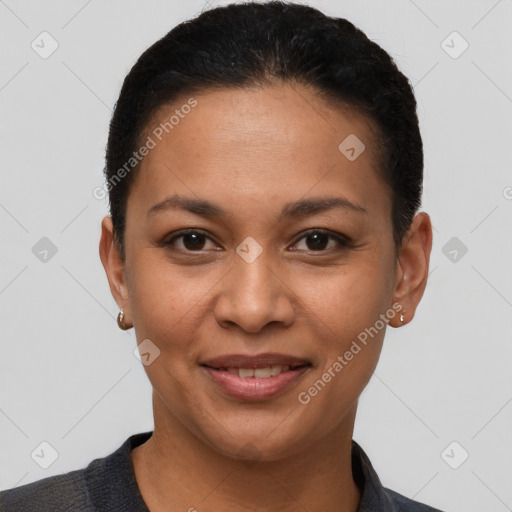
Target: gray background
68 375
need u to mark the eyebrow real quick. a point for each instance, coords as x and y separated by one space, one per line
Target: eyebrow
299 208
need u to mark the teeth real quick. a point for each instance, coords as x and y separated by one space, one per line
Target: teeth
259 373
263 373
276 370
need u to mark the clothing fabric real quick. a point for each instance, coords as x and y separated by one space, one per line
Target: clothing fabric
108 484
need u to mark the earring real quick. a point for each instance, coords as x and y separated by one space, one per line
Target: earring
120 321
402 317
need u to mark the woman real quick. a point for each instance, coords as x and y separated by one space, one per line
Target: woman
264 168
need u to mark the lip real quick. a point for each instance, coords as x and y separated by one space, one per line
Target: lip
255 389
256 361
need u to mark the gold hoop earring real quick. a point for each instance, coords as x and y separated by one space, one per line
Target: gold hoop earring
120 321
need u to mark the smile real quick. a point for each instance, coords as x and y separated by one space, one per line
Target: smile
259 373
255 378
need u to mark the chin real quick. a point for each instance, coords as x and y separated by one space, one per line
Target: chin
253 445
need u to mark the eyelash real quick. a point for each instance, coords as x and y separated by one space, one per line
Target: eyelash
343 242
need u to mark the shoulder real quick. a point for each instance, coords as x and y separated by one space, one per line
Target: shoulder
107 483
374 496
55 493
403 504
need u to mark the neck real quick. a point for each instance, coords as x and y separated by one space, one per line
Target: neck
175 467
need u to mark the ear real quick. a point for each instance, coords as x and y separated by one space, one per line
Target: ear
114 267
412 268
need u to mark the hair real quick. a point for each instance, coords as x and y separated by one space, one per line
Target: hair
256 44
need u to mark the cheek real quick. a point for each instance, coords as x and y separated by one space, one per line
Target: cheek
165 306
348 361
162 307
164 297
350 323
346 301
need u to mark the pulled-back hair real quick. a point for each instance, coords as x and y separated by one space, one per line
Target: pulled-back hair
253 44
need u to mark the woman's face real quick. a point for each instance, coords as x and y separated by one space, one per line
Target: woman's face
289 257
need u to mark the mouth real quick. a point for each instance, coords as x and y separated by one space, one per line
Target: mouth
265 372
261 366
257 377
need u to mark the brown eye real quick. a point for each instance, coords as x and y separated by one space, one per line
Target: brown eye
191 240
318 241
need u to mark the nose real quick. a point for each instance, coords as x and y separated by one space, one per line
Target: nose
253 295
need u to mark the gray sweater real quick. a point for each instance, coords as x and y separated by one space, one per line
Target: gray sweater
108 484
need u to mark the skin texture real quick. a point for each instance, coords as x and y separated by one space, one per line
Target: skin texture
251 151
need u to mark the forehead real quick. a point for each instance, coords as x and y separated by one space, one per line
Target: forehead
251 144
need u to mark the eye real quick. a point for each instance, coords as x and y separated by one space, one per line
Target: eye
319 238
192 240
